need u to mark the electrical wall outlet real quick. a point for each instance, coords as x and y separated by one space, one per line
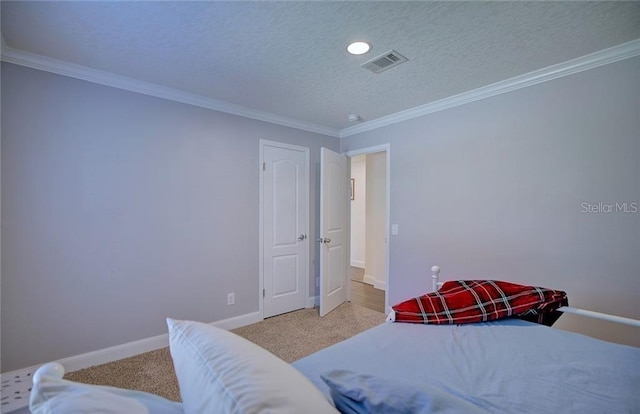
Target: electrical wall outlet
231 298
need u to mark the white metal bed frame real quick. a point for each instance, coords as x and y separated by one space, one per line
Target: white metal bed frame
436 284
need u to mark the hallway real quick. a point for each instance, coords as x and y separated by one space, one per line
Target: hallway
364 294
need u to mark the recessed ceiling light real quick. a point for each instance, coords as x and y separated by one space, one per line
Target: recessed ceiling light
358 48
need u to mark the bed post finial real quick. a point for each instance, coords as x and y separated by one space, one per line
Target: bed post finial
435 276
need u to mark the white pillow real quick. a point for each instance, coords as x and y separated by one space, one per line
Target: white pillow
53 395
220 372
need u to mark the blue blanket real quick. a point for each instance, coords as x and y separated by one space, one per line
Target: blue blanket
509 366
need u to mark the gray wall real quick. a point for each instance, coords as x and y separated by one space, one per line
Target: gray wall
494 189
120 209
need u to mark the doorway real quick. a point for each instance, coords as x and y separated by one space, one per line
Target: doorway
369 226
284 227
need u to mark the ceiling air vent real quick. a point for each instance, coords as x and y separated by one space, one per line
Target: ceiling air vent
384 62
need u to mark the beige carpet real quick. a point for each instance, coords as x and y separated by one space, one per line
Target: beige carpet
290 336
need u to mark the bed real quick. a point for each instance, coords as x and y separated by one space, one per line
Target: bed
507 366
503 366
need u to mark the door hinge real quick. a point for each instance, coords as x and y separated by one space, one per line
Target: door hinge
264 166
264 293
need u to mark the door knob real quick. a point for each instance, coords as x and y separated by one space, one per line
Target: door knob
324 240
302 237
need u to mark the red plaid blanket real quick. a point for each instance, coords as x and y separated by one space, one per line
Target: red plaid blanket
470 301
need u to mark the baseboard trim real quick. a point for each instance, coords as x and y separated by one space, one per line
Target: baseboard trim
313 302
371 280
379 285
368 279
357 263
114 353
238 321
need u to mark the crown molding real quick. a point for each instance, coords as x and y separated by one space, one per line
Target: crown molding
613 54
59 67
593 60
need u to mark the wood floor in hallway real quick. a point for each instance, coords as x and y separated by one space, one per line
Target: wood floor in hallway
364 294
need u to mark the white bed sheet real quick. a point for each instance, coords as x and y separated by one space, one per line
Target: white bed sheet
508 366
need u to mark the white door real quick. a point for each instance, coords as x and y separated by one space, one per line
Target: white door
334 248
285 201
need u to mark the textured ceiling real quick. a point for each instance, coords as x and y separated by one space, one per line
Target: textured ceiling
289 59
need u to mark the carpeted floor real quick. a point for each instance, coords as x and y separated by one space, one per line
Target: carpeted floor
290 336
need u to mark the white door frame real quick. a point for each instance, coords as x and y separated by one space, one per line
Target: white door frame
370 150
305 282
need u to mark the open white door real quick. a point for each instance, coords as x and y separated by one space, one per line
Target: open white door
334 248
